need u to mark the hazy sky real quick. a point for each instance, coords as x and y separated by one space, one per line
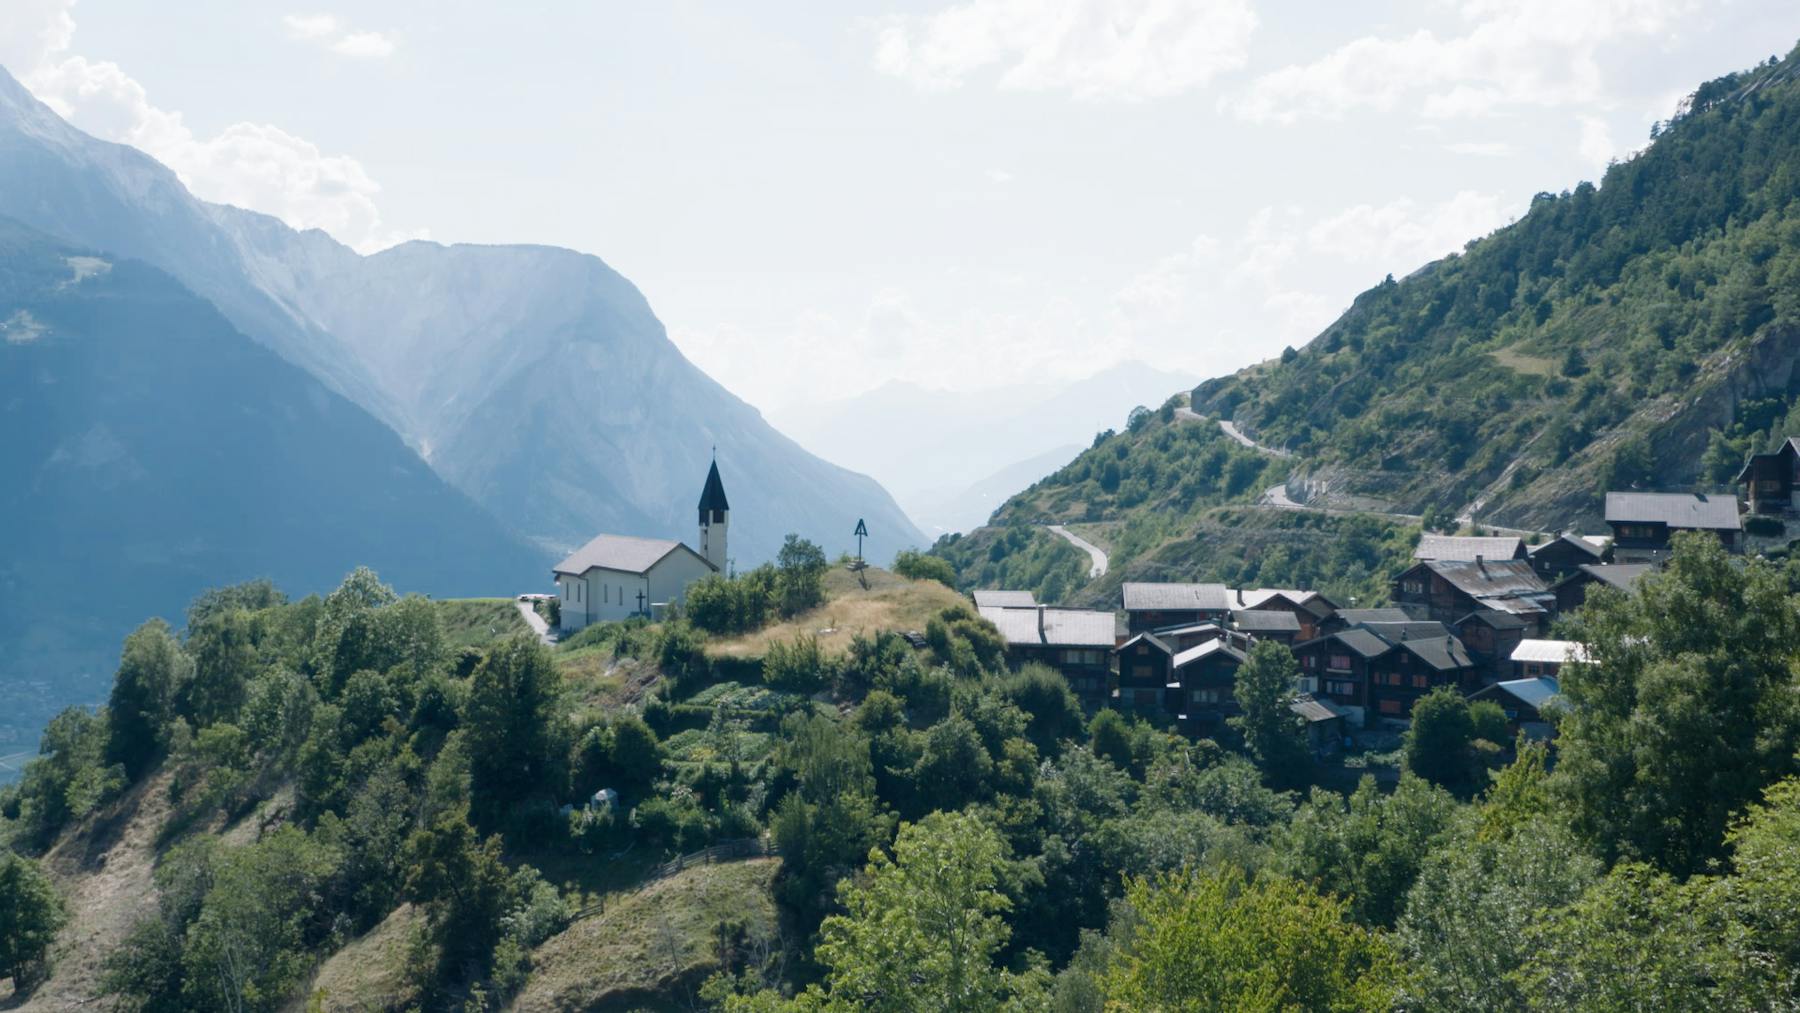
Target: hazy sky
818 197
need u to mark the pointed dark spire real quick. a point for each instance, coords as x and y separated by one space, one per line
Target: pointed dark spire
712 498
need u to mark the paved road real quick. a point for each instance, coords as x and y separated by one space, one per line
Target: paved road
536 622
15 763
1093 551
1230 429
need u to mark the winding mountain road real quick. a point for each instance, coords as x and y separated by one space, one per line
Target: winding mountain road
1093 551
1229 428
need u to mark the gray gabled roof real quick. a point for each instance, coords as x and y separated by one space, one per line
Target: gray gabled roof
1468 548
1140 597
987 598
1265 621
1315 710
1623 576
1587 547
1381 615
1211 647
1694 511
1062 627
1360 640
1149 638
623 553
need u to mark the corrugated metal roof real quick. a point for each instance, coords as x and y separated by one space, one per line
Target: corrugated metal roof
1556 652
1148 638
1675 509
1062 627
987 598
1362 641
1468 547
1489 577
1176 597
620 552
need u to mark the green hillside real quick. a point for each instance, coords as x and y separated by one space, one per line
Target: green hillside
1642 333
1638 333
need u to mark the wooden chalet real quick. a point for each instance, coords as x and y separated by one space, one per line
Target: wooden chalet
1278 625
1203 689
1309 608
1156 606
1562 555
1076 642
1490 638
1380 669
1448 590
1769 480
1344 619
1572 591
1643 522
1524 701
1146 667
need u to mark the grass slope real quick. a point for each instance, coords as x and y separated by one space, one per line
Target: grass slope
652 945
889 602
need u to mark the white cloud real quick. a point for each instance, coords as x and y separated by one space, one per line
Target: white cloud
366 44
999 176
251 165
1401 235
1596 146
1483 149
328 31
1092 49
1512 53
307 27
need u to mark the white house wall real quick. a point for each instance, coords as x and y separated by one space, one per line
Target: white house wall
669 578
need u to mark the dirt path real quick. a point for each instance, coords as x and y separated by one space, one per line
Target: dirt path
536 622
1093 551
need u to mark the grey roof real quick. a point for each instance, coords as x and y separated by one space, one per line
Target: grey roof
1315 710
1382 615
623 553
1623 576
1675 509
1444 653
1265 621
1207 649
1498 620
1264 597
987 598
1177 597
1575 540
1062 627
1148 638
1535 692
1468 548
1362 641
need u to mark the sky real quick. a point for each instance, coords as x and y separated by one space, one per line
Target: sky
819 198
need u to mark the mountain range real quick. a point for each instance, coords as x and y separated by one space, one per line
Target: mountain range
509 401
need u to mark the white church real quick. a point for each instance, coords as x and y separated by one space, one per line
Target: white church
617 576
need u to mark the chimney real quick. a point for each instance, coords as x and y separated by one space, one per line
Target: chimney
1240 594
1040 624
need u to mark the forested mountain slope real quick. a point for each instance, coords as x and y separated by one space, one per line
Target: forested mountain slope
1642 333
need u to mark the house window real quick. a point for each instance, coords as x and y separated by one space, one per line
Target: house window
1390 707
1312 661
1338 688
1206 696
1412 586
1421 681
1341 662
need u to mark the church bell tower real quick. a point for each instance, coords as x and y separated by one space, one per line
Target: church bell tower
715 514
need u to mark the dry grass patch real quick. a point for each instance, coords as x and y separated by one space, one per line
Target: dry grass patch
649 947
477 622
369 972
1529 365
889 602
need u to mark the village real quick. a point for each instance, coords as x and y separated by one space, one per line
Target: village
1474 612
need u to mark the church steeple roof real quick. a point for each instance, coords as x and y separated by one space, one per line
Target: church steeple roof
713 496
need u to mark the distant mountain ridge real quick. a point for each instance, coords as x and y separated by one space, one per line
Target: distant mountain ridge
535 380
941 452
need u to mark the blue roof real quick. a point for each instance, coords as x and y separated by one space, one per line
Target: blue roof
1536 692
